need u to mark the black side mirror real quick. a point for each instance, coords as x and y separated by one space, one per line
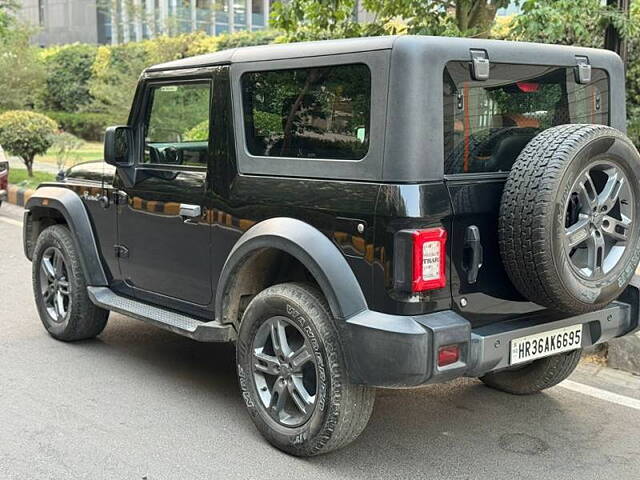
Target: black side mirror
118 146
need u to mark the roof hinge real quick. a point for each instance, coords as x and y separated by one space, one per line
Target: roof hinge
583 69
479 64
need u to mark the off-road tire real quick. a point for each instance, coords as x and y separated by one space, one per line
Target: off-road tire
532 216
84 320
535 377
342 409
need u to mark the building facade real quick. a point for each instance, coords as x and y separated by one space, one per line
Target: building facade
118 21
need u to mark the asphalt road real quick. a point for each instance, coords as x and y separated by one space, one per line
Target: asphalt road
141 403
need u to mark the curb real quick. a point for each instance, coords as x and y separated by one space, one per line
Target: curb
18 196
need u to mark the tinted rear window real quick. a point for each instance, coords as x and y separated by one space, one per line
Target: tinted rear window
309 112
488 123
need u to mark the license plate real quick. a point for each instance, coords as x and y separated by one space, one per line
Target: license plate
541 345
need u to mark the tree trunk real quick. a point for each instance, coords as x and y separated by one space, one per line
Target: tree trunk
28 162
477 16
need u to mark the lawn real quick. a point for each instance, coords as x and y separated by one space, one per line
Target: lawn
18 176
89 151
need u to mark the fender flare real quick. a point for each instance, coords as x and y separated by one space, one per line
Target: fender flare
309 246
70 206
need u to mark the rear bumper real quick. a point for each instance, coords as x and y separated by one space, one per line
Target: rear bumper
3 195
398 351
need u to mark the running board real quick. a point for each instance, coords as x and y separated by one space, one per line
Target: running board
178 323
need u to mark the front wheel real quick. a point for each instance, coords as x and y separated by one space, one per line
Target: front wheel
292 373
60 289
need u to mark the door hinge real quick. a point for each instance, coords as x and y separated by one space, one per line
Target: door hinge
583 70
480 65
121 251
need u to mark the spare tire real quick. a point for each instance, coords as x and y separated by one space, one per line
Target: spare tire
569 219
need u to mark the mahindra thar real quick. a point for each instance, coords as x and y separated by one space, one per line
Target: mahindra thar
372 212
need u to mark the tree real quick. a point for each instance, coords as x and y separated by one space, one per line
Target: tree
21 71
568 22
7 10
304 19
26 134
68 71
315 19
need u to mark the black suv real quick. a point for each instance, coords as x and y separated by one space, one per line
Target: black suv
376 212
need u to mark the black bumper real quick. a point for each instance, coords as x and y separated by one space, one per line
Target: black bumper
399 351
3 195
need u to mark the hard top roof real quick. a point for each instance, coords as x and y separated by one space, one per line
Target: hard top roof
355 45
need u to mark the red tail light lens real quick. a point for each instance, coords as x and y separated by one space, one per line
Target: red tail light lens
429 256
448 355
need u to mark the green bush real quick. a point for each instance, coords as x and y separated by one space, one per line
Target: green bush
26 134
86 125
68 71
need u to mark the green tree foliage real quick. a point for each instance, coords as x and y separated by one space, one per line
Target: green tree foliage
315 19
26 134
21 71
65 147
568 22
7 11
68 71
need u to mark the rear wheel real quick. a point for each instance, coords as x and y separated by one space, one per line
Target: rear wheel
536 376
60 289
292 373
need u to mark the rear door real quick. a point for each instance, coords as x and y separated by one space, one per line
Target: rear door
486 124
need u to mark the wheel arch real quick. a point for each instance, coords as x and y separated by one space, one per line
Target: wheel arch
308 246
51 205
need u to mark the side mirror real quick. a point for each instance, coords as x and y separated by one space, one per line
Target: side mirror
118 146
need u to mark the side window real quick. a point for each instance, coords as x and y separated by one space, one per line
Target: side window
177 125
316 113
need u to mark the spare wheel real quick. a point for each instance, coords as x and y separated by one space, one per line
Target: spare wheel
569 217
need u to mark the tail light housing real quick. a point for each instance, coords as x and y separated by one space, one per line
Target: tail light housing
429 257
420 259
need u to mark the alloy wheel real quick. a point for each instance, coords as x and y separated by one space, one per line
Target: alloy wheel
284 371
598 219
54 285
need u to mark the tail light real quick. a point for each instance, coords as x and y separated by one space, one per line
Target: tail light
429 257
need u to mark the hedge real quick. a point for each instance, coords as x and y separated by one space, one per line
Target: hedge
88 126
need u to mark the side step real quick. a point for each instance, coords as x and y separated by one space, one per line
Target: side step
178 323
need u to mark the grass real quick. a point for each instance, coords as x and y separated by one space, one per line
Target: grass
18 176
89 151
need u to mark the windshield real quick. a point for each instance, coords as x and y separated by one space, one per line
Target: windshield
487 123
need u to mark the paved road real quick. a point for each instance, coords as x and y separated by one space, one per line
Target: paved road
142 403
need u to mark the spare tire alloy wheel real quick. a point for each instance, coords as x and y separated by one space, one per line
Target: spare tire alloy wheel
599 217
568 226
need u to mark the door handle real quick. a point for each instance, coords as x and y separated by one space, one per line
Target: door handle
189 211
472 254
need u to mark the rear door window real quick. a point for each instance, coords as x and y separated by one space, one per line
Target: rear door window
488 123
315 113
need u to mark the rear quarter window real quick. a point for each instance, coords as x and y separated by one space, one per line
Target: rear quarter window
313 113
488 123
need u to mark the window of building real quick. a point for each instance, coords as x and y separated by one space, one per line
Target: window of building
319 112
488 123
177 126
